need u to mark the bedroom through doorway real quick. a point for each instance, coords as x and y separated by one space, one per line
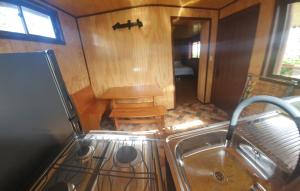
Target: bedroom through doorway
186 48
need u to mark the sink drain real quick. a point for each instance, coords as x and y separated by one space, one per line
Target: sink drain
219 176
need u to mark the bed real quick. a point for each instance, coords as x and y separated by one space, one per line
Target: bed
182 70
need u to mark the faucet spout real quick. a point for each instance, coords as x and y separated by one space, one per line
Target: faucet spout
291 110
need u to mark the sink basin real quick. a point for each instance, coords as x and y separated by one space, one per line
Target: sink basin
199 160
207 164
218 168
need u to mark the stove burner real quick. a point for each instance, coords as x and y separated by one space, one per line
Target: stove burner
84 151
127 156
62 186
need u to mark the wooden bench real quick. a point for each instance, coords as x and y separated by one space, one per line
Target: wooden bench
89 108
138 115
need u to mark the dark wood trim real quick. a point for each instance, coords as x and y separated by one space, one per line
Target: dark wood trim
173 69
279 78
228 4
219 14
56 7
214 72
190 18
145 5
278 81
82 48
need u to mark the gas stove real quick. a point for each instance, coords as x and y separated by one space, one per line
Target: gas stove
103 161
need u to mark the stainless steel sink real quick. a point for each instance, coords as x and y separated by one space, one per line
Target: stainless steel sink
199 160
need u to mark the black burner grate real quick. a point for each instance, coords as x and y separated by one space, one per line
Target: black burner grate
126 154
131 162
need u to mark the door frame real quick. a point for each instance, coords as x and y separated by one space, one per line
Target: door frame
204 100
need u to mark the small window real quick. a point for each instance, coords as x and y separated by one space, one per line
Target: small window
10 18
38 23
196 49
283 58
28 21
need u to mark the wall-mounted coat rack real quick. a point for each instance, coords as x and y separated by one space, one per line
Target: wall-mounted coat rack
128 25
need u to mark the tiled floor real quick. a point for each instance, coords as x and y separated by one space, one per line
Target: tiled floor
191 115
183 117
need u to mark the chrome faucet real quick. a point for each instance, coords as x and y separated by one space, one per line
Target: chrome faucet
290 109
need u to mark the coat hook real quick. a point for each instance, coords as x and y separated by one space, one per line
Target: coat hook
128 25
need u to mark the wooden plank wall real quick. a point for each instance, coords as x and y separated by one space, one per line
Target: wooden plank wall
259 87
137 56
69 56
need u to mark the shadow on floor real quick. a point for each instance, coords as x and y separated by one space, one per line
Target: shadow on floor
185 89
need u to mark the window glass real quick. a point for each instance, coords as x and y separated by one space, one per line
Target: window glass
288 58
196 49
38 23
10 19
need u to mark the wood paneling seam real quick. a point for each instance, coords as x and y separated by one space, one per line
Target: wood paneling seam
146 5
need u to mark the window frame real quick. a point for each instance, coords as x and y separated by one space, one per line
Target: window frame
59 37
275 42
198 42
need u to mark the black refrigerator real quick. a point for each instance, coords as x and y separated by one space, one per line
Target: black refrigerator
37 117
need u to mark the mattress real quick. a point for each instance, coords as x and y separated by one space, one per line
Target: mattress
184 70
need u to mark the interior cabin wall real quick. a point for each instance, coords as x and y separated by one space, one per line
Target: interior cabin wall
137 56
69 56
257 86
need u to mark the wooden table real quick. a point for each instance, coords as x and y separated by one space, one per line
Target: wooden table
135 112
132 92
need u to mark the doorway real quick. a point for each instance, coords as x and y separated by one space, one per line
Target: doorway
190 37
235 39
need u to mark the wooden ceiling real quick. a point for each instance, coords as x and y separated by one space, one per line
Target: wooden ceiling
87 7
